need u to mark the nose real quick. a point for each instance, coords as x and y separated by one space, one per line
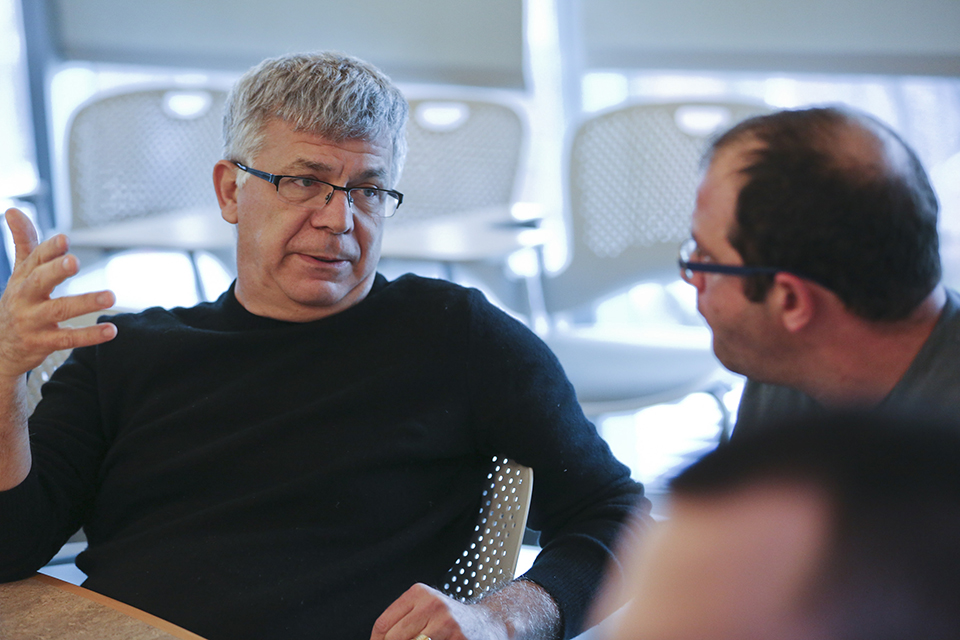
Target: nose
695 278
698 279
333 212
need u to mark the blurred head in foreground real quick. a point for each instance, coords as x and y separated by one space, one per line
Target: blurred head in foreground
847 527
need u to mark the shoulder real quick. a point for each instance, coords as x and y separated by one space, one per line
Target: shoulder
161 319
764 404
411 287
443 306
427 296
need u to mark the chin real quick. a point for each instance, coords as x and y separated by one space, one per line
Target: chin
728 359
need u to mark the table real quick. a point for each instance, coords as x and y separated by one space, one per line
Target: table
48 608
488 234
195 229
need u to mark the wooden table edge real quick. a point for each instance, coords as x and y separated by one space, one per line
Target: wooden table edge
126 609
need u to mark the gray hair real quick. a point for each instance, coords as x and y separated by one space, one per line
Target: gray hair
328 94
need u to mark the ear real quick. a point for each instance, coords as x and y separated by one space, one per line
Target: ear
793 300
225 184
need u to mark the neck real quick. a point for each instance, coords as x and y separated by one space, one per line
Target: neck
859 362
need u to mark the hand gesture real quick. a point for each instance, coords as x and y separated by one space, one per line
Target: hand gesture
29 317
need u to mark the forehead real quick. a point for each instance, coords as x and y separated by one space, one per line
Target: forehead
717 195
729 567
281 142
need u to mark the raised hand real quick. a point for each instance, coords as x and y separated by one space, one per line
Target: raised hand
29 317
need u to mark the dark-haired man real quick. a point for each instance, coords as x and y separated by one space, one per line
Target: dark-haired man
835 528
816 261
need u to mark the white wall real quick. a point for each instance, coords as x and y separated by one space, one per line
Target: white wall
454 41
885 36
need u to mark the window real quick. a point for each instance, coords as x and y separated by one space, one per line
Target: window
18 175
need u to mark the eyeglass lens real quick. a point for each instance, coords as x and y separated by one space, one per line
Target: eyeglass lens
687 249
369 200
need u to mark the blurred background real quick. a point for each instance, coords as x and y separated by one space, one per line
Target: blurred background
554 154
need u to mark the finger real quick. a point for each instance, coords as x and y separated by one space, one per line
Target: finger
58 339
40 279
420 610
391 617
67 307
25 238
86 336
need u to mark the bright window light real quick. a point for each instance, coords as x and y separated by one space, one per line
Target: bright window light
186 105
657 442
442 116
142 279
18 175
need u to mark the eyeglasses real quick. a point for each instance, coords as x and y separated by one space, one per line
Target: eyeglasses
689 264
372 201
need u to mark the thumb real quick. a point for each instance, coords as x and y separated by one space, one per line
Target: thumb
25 237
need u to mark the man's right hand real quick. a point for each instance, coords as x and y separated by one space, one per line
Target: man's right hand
29 317
29 332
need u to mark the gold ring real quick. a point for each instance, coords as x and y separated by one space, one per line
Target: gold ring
422 636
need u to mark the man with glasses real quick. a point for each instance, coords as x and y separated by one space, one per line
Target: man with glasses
816 261
304 457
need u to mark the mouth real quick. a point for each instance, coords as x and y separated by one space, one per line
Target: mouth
325 260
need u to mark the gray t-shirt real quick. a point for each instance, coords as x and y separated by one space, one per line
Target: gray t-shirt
930 385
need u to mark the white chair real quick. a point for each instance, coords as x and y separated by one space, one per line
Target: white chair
465 154
146 154
632 178
492 555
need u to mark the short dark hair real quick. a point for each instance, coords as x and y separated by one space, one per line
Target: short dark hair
892 565
863 225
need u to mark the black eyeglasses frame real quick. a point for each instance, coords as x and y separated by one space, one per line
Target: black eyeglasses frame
275 179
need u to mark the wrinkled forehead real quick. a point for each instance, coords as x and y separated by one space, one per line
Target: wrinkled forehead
303 143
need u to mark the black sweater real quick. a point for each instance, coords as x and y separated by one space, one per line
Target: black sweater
245 477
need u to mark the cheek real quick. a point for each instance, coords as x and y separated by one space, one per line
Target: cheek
719 297
369 235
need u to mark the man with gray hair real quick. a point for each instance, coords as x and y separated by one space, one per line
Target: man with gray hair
305 456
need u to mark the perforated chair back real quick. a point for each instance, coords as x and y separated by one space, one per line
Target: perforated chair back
462 155
633 174
143 152
41 374
491 557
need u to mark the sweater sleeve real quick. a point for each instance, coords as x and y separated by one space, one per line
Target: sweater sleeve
67 447
526 409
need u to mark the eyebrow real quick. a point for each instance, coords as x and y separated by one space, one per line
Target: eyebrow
700 248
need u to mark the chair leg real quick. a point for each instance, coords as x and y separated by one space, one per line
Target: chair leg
725 427
197 280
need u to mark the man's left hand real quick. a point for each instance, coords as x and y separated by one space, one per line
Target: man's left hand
519 610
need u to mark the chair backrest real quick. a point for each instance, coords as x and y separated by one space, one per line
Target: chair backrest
491 557
632 178
462 155
42 373
143 152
